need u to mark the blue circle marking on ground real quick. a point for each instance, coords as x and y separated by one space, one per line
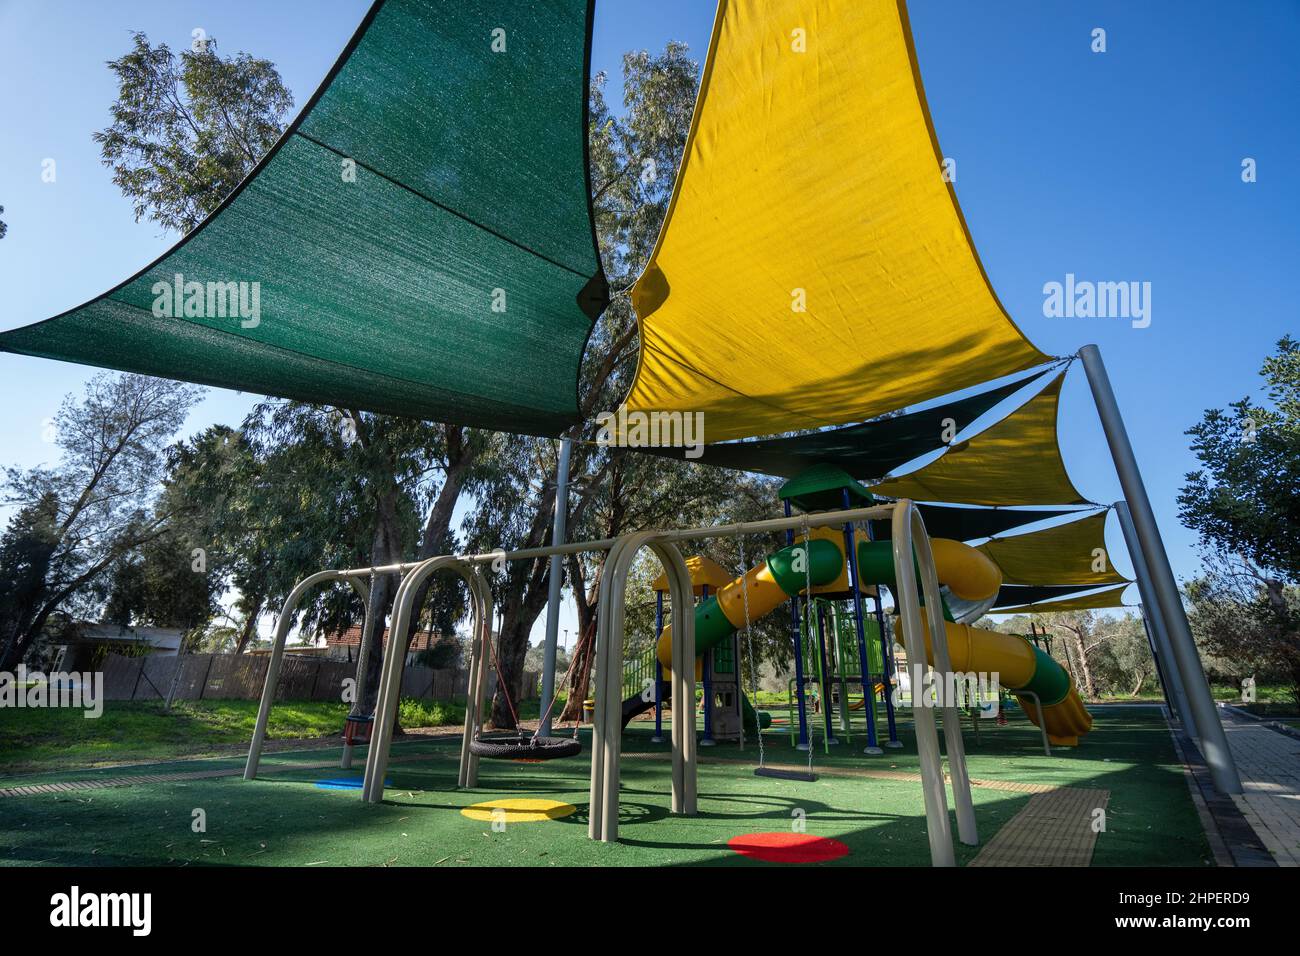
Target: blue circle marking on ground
346 783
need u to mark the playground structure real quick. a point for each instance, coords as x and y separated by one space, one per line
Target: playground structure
818 567
917 590
830 571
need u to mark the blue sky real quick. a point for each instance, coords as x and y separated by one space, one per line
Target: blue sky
1123 165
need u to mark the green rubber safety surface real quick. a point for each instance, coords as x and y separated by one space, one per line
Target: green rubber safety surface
283 819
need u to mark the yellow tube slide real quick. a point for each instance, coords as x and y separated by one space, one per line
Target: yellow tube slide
1017 664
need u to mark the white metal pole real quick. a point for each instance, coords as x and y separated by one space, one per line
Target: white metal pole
967 831
1213 741
938 829
1151 610
282 625
553 589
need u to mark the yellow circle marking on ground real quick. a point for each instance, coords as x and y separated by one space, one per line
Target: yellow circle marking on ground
519 810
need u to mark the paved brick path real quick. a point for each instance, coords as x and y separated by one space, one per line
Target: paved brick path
1269 764
1054 829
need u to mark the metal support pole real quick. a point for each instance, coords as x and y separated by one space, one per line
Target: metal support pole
1213 741
706 667
658 738
937 825
1160 671
826 682
367 595
1162 652
556 575
841 666
872 749
886 666
796 631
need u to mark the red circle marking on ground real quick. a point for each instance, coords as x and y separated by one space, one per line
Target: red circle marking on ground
788 847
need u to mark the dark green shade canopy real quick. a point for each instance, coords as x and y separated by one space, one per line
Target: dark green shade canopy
967 524
867 451
1014 595
421 238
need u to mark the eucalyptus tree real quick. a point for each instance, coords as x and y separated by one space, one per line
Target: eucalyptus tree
1244 502
187 128
92 508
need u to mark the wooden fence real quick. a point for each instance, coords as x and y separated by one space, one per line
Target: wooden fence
210 676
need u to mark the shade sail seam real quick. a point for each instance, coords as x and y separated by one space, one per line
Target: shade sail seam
277 348
443 206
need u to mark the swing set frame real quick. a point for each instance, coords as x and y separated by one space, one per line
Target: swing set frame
909 538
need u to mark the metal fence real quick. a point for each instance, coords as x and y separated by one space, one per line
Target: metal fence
211 676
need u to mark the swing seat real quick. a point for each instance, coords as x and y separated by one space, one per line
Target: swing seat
785 774
524 746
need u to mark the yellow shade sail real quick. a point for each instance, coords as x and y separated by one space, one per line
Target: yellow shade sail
1111 597
814 267
1015 462
1073 553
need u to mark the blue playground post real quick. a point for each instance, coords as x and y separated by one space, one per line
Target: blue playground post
707 740
887 663
868 687
827 684
797 632
658 738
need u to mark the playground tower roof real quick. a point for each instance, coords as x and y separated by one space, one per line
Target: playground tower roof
421 237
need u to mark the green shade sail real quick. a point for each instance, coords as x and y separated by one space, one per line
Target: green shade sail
1111 597
1010 595
967 524
868 450
421 238
1015 462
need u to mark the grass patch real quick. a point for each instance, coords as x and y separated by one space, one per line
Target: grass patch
137 731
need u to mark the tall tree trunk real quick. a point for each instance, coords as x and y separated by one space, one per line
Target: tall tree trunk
24 617
437 538
248 628
1085 671
583 652
520 612
385 549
